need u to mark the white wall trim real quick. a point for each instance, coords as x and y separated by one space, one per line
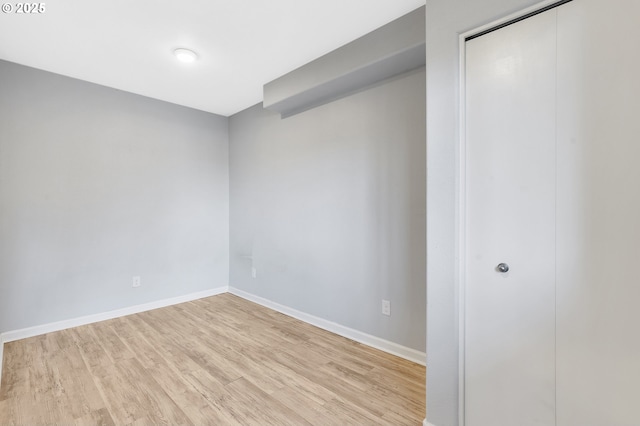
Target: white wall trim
367 339
1 355
37 330
426 423
460 231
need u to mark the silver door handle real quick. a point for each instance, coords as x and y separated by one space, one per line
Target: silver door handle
503 267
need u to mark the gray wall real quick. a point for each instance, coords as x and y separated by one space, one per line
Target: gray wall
98 185
328 206
446 19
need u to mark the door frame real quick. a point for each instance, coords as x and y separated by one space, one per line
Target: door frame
460 184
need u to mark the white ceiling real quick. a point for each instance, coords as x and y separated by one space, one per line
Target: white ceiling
242 44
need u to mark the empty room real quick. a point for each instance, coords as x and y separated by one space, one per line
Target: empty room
212 213
407 212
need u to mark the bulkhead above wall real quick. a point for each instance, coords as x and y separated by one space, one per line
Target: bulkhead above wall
391 50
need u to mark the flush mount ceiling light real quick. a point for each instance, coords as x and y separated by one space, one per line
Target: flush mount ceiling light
185 55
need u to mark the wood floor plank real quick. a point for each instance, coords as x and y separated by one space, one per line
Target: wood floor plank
113 346
99 417
164 342
314 410
195 405
15 381
213 392
143 398
74 389
323 351
15 355
219 360
252 406
375 391
135 341
398 419
9 413
350 413
92 352
402 385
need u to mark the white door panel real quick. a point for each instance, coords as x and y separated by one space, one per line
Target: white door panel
510 217
552 189
598 248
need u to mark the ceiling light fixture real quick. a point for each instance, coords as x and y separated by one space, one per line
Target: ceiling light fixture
185 55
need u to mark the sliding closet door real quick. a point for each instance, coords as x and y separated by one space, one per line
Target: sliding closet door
598 228
510 225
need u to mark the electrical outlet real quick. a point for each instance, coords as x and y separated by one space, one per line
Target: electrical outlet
254 272
386 307
136 282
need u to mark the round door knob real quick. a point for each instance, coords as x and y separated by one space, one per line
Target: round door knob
503 267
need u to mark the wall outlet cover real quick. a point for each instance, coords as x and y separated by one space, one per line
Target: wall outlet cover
386 307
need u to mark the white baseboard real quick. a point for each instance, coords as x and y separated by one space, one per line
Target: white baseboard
25 333
426 423
367 339
1 355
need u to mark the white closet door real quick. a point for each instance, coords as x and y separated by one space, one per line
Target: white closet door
598 213
510 218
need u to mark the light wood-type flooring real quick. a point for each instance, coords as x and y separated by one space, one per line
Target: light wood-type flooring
219 361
